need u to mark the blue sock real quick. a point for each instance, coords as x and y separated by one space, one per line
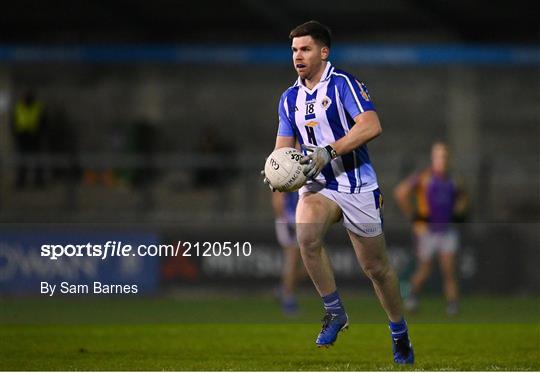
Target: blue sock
332 304
398 329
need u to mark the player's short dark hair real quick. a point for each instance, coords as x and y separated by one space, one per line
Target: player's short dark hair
319 32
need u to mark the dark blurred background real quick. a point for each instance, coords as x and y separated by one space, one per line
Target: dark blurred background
211 22
154 118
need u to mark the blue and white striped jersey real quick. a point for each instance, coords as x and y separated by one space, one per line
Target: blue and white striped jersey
324 114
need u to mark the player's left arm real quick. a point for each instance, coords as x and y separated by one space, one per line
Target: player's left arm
366 127
357 102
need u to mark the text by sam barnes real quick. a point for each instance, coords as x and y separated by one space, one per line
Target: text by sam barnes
96 287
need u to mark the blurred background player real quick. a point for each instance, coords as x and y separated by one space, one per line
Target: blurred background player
438 199
284 205
28 129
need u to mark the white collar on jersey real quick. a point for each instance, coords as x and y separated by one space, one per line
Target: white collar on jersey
327 73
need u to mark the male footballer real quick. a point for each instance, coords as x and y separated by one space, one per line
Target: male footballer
330 113
440 199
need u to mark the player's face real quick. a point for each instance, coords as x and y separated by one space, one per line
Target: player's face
439 158
308 56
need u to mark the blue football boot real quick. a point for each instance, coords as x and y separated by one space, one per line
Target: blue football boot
332 325
403 350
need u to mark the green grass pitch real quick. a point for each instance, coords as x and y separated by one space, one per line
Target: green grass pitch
249 333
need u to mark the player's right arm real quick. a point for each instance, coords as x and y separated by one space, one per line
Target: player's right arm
286 136
285 142
281 142
402 195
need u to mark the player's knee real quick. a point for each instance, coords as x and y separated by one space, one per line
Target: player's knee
309 242
424 269
448 274
377 270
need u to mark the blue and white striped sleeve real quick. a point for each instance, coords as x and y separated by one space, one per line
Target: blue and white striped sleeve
285 126
355 96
